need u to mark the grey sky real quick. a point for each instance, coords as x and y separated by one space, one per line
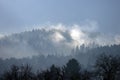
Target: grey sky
16 14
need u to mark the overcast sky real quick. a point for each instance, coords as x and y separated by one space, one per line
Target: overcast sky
15 15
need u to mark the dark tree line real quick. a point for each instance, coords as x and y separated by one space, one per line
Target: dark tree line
107 67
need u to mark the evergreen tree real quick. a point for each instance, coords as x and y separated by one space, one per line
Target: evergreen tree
72 70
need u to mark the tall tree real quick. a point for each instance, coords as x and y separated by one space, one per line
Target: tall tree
72 70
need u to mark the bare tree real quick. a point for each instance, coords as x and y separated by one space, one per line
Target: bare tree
107 67
26 73
12 74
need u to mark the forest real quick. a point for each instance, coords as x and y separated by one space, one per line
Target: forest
106 67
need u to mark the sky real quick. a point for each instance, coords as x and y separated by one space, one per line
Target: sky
18 15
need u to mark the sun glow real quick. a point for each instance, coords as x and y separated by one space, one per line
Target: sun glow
77 36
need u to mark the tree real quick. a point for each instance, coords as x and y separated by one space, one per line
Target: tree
54 73
6 76
40 75
86 75
72 70
12 74
107 67
26 73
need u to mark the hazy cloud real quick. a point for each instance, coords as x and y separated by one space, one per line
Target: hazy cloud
54 39
85 33
1 36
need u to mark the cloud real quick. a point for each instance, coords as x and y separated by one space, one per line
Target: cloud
117 39
90 26
74 35
1 36
56 38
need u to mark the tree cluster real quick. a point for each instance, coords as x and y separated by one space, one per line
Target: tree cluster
107 67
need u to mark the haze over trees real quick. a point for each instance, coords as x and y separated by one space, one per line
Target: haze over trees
59 39
50 42
37 49
107 67
85 56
